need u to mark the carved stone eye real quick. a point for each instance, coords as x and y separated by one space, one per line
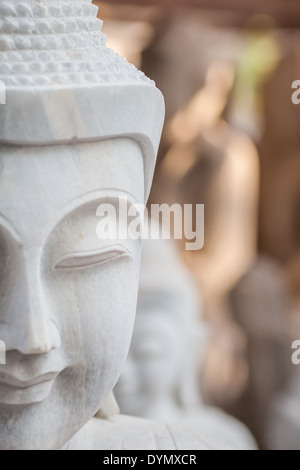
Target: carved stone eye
92 258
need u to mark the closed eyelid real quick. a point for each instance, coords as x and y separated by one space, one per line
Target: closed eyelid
84 259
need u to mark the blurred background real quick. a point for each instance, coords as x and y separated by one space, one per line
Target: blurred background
232 142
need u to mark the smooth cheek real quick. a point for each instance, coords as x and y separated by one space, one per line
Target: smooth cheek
95 310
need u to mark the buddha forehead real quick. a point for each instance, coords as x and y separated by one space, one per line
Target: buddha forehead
40 185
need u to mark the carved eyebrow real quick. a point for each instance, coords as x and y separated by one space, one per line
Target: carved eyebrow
9 228
96 197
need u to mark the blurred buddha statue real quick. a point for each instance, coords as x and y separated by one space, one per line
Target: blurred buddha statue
211 162
260 305
160 379
160 373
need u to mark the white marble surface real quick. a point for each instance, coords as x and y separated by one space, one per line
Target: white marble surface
80 126
129 433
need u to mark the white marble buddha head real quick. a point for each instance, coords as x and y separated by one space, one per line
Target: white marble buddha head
80 127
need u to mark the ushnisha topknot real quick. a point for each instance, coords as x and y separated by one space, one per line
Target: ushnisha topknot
58 74
57 42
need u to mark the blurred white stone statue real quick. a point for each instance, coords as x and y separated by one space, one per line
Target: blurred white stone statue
161 375
80 128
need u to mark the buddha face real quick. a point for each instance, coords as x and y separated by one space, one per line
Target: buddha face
157 354
67 298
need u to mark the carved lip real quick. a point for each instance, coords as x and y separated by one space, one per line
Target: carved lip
12 381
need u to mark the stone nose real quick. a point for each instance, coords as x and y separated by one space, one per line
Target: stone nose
27 325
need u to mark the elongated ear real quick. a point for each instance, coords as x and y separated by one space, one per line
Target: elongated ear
109 408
